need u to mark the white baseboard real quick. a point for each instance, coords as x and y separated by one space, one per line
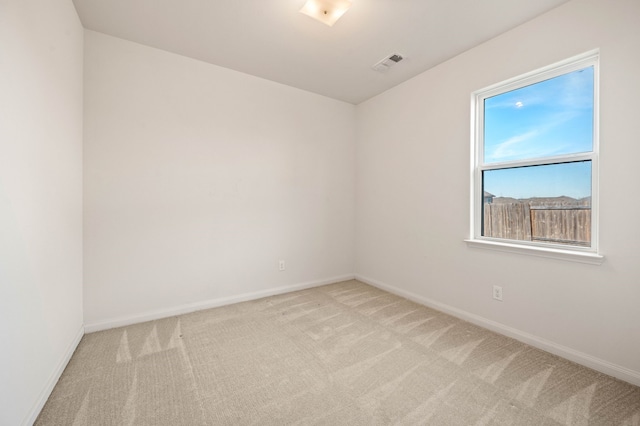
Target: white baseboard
578 357
53 379
207 304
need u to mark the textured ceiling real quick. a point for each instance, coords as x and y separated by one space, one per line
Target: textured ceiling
272 40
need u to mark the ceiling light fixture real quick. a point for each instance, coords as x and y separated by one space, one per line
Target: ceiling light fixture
326 11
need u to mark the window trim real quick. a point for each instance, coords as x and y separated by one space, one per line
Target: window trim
575 253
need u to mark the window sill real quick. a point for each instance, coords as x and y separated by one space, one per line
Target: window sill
553 253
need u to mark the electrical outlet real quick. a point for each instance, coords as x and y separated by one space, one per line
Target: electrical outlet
281 265
497 292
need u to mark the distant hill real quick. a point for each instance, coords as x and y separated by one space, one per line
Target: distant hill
561 201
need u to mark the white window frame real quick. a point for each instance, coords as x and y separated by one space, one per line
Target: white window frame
558 251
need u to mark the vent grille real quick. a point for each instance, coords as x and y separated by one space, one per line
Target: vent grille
385 64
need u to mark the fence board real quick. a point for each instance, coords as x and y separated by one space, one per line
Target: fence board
566 226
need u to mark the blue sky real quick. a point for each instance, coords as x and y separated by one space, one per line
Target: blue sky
550 118
570 179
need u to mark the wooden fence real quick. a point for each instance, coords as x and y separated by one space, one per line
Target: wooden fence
553 224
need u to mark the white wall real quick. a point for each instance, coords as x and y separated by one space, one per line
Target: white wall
412 211
198 179
40 200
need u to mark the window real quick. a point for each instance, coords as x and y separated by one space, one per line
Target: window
535 161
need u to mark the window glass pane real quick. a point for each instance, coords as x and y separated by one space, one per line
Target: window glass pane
549 203
552 117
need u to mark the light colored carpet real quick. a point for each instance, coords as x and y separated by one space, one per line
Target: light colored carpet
341 354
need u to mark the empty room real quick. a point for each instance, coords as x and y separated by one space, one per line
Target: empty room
322 212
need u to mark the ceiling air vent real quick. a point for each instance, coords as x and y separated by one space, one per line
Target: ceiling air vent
386 63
